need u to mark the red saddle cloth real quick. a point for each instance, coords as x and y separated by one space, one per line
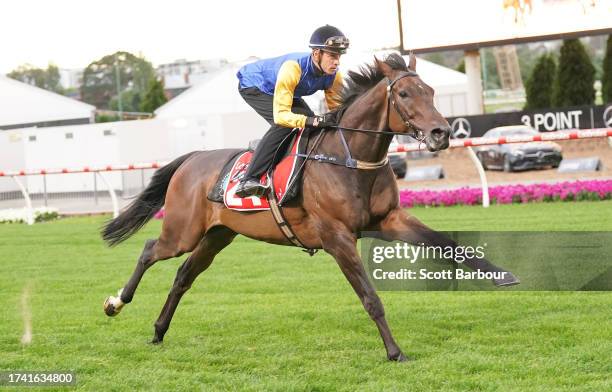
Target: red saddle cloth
283 174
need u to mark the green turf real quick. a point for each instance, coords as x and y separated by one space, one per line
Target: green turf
560 216
271 318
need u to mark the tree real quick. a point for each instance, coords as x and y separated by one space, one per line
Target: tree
154 97
606 87
528 56
130 101
49 78
540 84
575 76
461 66
101 77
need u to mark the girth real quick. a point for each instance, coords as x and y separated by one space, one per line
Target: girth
349 162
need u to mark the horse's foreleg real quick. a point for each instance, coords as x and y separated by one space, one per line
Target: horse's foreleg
398 225
213 242
342 246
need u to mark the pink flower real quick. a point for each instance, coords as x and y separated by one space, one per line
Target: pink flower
506 194
160 214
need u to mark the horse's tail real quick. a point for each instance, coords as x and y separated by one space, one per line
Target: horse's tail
141 210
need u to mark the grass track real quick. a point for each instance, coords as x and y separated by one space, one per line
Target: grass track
272 318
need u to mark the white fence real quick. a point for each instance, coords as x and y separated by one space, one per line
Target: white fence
98 189
77 190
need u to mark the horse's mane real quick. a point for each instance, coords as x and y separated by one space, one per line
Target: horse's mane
357 83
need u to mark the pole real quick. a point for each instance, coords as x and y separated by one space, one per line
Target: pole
483 57
28 201
483 177
118 81
401 28
111 191
45 190
474 77
95 188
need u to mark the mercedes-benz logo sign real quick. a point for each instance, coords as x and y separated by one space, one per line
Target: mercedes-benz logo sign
461 128
607 117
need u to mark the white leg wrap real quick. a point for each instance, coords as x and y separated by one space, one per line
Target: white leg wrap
116 301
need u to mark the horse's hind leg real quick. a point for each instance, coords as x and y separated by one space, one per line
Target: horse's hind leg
213 242
154 251
171 243
398 225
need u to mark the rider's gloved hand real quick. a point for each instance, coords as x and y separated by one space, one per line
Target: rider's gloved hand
322 121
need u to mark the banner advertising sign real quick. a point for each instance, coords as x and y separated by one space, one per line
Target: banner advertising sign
547 120
477 23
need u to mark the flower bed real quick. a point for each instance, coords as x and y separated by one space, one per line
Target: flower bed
20 215
507 194
160 214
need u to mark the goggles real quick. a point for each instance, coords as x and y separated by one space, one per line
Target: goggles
337 42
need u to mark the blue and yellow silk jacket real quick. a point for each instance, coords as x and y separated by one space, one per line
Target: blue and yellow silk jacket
289 76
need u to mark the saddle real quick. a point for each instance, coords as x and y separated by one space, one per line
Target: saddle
285 178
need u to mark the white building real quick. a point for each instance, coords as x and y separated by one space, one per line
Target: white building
215 110
90 145
24 105
182 74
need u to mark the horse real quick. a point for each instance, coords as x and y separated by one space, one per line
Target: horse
336 205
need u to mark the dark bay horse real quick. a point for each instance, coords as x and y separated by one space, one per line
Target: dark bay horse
335 206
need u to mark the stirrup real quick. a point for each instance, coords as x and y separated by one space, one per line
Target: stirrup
258 190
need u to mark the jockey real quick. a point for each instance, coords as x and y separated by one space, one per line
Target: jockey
274 87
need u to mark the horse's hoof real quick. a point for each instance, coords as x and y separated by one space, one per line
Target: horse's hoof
398 357
156 341
112 306
109 308
508 280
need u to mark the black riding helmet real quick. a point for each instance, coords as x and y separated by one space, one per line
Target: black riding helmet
329 38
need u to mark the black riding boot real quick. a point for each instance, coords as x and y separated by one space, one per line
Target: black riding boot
262 160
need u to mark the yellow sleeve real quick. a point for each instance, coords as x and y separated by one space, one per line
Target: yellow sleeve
332 94
288 78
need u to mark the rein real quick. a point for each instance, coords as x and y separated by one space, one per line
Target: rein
275 206
390 102
364 165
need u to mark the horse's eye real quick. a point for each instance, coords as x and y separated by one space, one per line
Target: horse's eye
403 94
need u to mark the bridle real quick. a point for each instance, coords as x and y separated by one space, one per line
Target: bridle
417 133
364 165
349 161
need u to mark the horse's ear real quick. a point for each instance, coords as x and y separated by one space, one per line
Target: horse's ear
412 62
383 67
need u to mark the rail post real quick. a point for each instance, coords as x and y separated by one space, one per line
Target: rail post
28 201
111 191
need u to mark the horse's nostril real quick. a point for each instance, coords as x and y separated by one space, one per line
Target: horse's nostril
440 133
